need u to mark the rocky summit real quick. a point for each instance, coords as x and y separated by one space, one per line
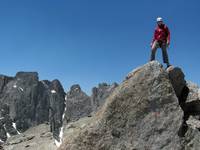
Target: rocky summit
152 109
142 113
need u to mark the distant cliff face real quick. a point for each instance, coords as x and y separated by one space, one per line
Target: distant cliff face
79 104
26 102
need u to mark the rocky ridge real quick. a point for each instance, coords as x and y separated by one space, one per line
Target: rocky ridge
26 102
142 112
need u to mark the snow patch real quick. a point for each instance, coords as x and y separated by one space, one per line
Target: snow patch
58 143
45 84
1 118
1 141
21 89
14 126
8 135
63 116
61 133
76 89
53 91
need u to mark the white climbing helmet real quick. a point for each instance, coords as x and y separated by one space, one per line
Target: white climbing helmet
159 19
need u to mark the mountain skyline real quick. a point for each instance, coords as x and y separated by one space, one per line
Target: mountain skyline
90 42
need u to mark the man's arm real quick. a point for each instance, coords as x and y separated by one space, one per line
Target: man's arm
168 36
154 38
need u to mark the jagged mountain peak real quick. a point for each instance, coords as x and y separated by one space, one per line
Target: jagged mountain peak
75 88
31 75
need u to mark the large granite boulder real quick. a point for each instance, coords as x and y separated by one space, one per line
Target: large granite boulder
142 113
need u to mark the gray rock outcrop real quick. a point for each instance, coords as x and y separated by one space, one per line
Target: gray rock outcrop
142 113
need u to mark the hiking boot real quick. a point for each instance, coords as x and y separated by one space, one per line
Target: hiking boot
168 65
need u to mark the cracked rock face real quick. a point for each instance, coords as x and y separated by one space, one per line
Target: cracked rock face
142 113
26 102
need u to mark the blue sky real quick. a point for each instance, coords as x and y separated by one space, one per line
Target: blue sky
93 41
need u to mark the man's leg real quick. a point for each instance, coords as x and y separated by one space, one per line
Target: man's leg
164 54
153 50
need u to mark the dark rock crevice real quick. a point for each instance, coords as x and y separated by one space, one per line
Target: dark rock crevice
191 108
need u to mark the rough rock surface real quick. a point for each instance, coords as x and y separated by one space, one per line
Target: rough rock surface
100 93
194 91
25 102
142 113
35 138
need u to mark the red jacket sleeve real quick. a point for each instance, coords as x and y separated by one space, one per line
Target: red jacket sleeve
154 37
168 33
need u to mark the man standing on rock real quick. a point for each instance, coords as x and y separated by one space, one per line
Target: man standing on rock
161 40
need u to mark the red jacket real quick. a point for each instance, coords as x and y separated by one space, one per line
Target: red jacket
161 34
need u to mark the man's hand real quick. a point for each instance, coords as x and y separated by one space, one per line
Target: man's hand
151 45
167 44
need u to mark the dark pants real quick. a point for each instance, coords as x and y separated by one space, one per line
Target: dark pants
163 46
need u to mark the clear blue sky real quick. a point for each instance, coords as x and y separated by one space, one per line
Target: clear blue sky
93 41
